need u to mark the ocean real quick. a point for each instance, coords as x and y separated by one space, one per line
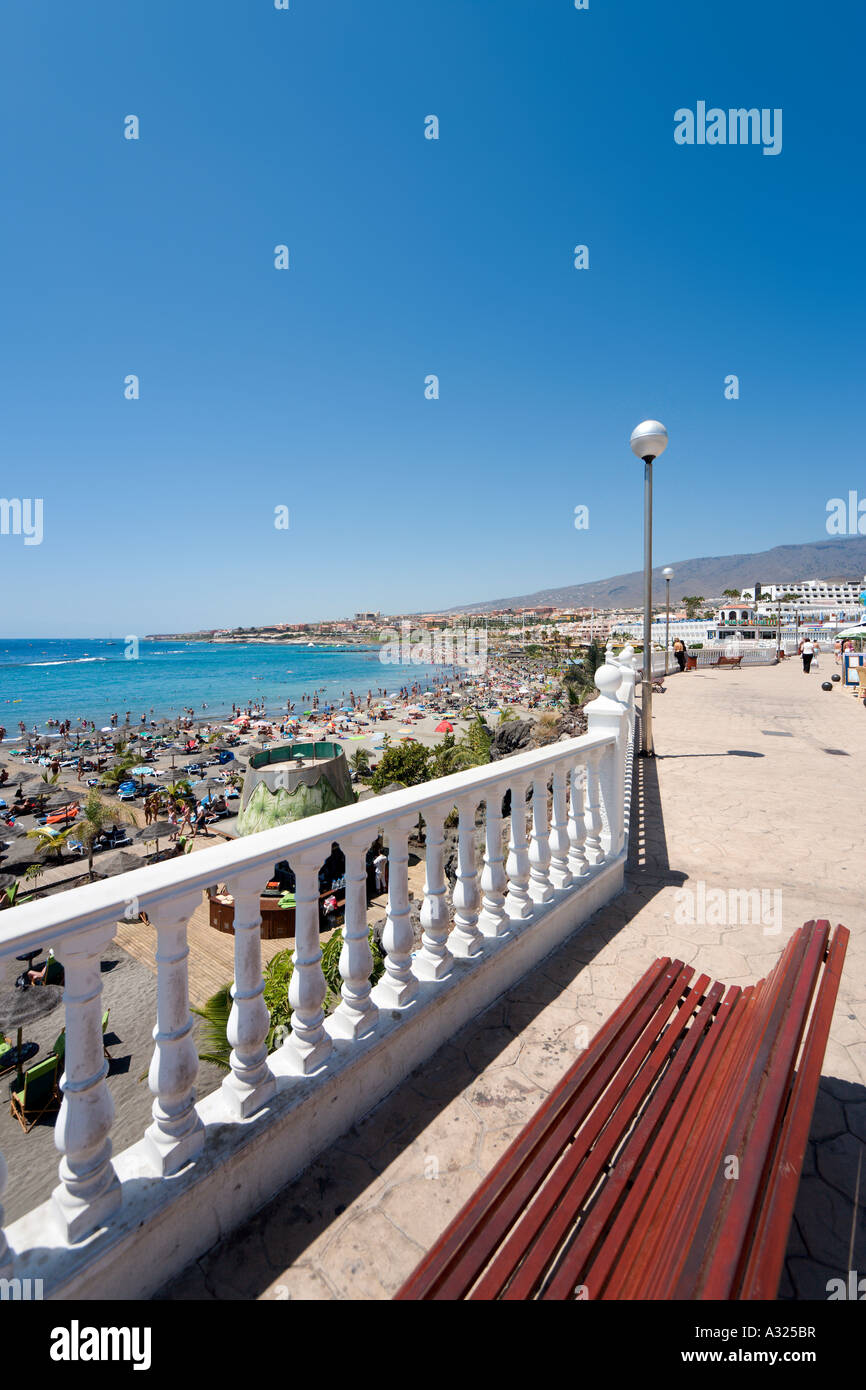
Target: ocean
93 678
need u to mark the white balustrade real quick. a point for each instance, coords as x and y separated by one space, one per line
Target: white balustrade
250 1084
517 901
434 960
89 1190
308 1045
398 986
465 939
560 873
577 863
493 920
177 1134
592 815
608 714
356 1015
540 890
583 838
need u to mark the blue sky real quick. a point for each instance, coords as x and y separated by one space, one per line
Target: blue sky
305 388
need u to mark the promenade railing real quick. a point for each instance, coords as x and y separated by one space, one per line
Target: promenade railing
120 1225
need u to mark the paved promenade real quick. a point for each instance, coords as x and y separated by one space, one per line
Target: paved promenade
757 783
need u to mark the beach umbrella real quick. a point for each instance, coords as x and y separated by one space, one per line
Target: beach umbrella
444 727
121 861
851 633
20 1006
156 832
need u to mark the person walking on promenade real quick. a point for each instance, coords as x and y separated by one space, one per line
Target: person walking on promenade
680 653
807 651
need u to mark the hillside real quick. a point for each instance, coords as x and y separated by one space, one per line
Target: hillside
835 558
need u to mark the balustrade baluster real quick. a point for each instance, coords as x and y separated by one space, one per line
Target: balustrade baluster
434 960
465 939
576 827
592 818
308 1046
89 1189
493 920
517 901
560 874
356 1015
540 890
250 1084
177 1133
398 985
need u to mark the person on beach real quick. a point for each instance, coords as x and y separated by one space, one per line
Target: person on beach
807 651
680 653
380 865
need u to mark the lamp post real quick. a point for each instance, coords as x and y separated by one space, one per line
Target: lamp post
648 440
668 576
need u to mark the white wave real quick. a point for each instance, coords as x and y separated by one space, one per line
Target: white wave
72 661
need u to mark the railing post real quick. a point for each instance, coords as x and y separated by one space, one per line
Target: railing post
560 874
592 814
89 1190
398 986
250 1084
308 1046
576 824
356 1015
517 900
465 939
540 890
434 960
493 920
608 715
177 1133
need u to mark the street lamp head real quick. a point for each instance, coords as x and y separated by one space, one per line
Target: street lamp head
649 440
667 573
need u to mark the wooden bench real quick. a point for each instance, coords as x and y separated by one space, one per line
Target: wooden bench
665 1163
733 661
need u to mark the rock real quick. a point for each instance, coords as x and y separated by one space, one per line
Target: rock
509 738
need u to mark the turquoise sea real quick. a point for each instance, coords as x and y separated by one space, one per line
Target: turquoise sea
69 678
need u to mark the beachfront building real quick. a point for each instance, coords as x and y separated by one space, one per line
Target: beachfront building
807 599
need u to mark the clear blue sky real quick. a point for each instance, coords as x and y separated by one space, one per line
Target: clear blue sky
305 388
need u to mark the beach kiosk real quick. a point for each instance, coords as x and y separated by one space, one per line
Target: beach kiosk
283 785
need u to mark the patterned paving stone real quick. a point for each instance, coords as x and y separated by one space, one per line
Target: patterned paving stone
369 1258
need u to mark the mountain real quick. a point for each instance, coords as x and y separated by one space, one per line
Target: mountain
836 558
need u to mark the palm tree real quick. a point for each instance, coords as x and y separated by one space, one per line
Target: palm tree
96 817
360 761
49 841
692 603
730 593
